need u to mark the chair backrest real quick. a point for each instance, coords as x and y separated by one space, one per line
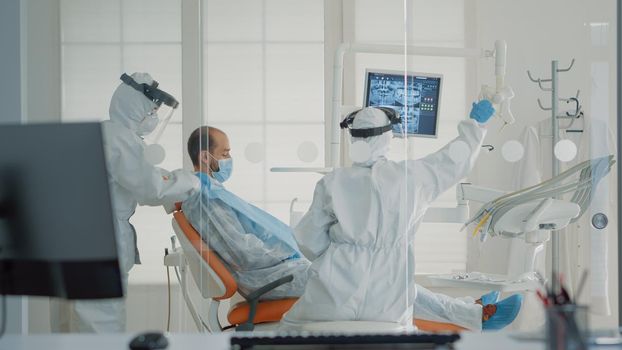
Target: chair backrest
213 278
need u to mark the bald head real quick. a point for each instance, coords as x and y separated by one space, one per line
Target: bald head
206 141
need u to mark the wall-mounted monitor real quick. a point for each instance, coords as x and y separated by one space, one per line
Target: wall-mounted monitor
416 97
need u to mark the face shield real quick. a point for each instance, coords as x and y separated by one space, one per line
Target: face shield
156 121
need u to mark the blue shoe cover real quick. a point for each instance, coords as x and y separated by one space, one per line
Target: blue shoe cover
507 310
490 298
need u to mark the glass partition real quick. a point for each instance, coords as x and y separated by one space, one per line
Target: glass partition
347 145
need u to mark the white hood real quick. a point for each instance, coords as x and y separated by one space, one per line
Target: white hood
378 145
128 106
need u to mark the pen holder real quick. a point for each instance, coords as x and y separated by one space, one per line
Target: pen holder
567 327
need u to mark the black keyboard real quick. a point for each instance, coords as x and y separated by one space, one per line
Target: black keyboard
342 341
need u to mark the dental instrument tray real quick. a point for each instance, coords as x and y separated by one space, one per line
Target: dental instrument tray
343 341
481 281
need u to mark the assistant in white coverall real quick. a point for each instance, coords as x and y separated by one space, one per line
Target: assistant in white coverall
359 231
133 180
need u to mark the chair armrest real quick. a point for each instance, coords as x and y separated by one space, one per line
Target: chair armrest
253 299
268 287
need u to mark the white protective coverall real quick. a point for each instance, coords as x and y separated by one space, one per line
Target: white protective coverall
132 180
359 234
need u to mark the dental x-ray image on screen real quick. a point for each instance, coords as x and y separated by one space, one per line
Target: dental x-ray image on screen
415 98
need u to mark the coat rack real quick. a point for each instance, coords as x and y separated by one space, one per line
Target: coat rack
553 88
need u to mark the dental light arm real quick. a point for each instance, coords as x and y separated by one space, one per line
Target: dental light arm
501 95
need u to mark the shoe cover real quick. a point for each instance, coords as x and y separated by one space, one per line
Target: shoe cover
507 310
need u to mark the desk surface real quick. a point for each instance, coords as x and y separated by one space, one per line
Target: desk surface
469 341
220 341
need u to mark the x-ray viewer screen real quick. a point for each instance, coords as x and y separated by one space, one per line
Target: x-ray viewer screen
415 98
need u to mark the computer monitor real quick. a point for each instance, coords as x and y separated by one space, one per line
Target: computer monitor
415 96
56 223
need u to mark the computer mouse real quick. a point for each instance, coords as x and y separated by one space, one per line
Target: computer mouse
149 341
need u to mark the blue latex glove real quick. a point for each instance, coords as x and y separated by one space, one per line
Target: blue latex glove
482 111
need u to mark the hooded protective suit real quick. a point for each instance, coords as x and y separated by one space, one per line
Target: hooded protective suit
359 234
132 180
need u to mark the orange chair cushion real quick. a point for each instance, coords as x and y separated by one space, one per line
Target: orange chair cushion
267 311
437 327
208 255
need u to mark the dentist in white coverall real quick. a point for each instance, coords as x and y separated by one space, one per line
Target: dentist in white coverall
133 180
359 231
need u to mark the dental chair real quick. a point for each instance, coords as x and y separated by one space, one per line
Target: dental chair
529 215
217 284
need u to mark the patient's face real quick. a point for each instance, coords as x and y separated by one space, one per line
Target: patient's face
221 150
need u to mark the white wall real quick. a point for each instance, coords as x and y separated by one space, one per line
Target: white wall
536 33
42 62
10 62
264 86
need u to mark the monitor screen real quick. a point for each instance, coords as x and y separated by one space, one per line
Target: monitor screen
415 98
57 233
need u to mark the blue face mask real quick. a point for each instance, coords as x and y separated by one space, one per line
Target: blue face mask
225 167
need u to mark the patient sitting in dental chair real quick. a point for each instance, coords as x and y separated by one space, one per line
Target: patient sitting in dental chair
258 248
